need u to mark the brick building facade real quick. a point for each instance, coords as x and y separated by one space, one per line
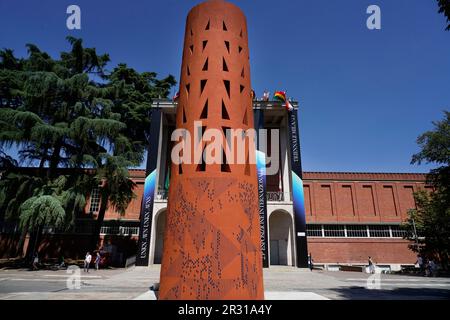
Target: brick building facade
349 216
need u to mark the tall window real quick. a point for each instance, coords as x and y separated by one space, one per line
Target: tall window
95 200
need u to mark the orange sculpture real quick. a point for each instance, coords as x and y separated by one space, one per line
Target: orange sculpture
212 236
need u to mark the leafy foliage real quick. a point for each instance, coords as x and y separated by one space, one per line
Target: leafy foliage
432 214
40 211
444 7
57 115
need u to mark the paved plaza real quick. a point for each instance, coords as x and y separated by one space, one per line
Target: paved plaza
279 282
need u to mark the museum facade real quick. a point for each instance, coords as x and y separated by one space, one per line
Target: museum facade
349 215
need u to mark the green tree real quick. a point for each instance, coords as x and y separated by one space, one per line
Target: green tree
57 115
444 8
431 218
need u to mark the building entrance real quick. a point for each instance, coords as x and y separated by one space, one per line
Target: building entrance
159 237
281 244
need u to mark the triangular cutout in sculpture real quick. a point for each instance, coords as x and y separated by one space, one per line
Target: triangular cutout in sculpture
184 116
224 129
224 167
204 114
247 167
202 85
201 167
224 65
227 87
225 112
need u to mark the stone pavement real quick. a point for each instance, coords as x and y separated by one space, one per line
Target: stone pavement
279 282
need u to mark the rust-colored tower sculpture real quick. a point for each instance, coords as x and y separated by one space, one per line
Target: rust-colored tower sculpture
212 236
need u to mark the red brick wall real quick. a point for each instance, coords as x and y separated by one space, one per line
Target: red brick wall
134 208
332 197
359 197
356 251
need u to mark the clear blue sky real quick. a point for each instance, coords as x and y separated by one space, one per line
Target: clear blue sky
365 95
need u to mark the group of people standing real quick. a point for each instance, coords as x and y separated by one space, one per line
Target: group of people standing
88 259
427 266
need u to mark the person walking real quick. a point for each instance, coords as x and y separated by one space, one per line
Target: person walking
97 260
35 261
431 268
310 262
371 265
420 263
87 262
426 265
62 263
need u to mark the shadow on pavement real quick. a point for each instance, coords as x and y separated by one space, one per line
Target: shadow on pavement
362 293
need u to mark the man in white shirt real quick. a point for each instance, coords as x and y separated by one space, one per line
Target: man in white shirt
87 262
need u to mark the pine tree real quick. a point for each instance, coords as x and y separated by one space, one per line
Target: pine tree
57 115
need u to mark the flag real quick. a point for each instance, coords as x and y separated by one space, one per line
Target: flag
281 96
167 182
176 96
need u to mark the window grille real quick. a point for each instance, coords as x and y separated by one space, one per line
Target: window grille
397 231
119 230
95 200
356 231
334 230
314 230
379 231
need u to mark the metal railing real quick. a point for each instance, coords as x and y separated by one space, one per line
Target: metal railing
355 231
119 230
278 196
